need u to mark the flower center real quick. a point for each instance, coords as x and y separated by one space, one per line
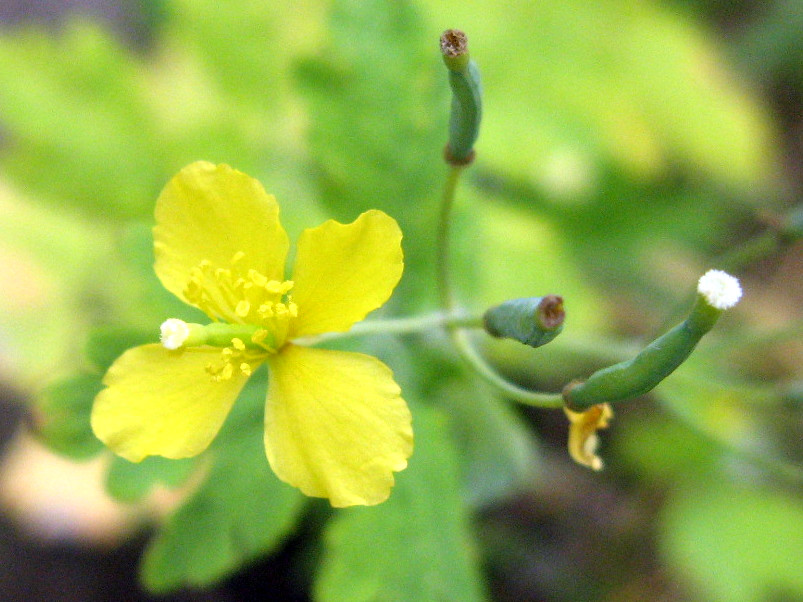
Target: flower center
236 295
236 357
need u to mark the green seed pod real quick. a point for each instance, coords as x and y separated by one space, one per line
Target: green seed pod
717 291
534 321
466 113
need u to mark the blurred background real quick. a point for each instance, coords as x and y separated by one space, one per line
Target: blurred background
626 148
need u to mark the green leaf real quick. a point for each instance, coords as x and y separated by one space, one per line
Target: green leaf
152 302
106 344
62 416
378 93
736 543
130 482
248 46
543 260
498 453
239 513
663 449
415 546
106 165
731 412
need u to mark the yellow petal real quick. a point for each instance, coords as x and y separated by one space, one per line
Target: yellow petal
162 403
583 438
335 424
342 272
212 212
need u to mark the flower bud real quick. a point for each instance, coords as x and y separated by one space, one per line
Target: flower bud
534 321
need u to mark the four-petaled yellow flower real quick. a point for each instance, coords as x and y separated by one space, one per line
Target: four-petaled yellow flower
335 423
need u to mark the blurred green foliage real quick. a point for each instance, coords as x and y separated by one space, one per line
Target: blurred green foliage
616 155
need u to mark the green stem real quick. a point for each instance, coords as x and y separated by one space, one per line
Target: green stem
445 294
780 233
749 252
489 375
398 326
456 331
778 467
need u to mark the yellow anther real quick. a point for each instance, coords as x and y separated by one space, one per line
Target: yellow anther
259 336
245 368
242 309
227 352
257 278
273 286
227 372
238 344
236 293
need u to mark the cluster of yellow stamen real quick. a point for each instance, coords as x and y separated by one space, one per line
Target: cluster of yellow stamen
234 358
237 295
241 296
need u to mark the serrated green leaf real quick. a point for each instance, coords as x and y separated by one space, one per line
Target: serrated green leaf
415 546
736 543
239 513
62 416
129 482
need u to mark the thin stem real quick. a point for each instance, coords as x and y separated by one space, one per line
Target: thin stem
781 232
456 332
489 375
398 326
779 467
442 243
755 249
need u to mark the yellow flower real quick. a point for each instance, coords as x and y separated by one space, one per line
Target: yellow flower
335 423
583 439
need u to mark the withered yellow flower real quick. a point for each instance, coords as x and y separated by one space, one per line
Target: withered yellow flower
583 439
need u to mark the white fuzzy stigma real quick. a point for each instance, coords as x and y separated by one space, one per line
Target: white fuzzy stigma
720 290
173 333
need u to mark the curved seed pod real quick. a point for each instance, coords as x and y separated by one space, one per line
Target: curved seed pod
466 112
717 291
534 321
